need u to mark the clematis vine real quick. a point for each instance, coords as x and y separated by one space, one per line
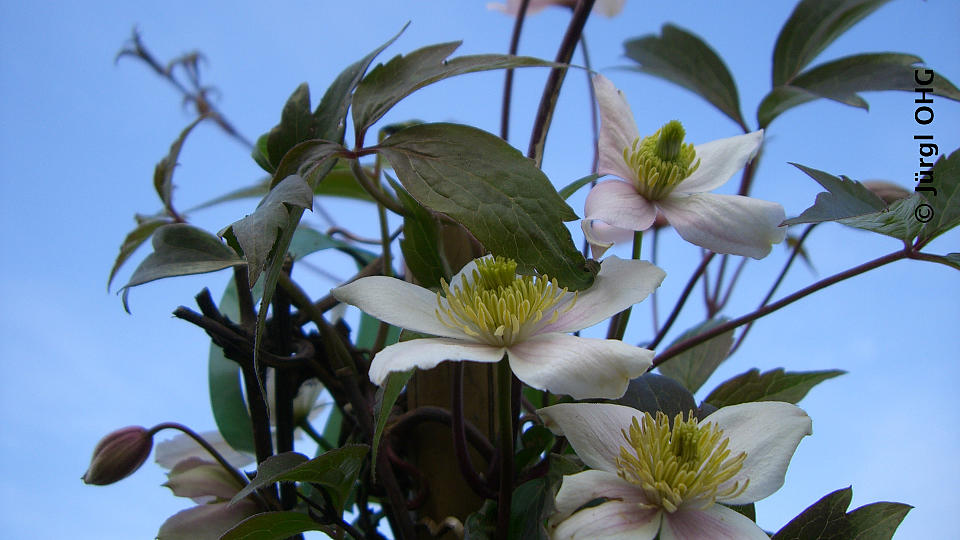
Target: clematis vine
487 312
666 479
607 8
661 173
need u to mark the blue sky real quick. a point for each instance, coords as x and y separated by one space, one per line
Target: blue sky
80 136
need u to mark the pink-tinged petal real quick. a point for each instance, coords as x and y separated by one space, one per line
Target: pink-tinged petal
609 8
715 523
602 237
595 430
719 160
397 302
580 367
205 522
170 452
618 130
202 480
728 224
620 518
620 284
427 353
465 273
769 432
618 203
512 7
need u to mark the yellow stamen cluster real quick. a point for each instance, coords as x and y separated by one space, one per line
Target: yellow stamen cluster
497 306
685 464
661 161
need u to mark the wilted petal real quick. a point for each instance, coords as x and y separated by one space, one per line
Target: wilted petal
398 303
202 480
595 430
618 130
602 237
205 522
769 432
716 523
728 224
580 367
617 203
169 453
620 284
620 518
427 353
719 160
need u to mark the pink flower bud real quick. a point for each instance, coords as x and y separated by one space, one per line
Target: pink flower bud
887 191
118 455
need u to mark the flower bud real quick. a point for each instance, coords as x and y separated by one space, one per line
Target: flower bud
118 455
887 191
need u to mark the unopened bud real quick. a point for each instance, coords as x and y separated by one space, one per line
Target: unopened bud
118 455
887 191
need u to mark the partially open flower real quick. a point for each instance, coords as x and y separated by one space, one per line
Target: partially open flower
118 455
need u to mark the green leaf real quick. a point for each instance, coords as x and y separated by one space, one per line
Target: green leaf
684 59
336 470
163 173
385 399
651 393
899 220
844 198
575 186
421 240
693 367
179 250
827 519
814 25
748 510
274 526
533 501
841 80
135 238
536 440
774 385
256 235
945 201
954 259
501 197
482 524
388 83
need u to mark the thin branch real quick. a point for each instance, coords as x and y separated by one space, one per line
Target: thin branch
682 300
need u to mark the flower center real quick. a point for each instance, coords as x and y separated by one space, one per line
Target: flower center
661 161
497 306
680 465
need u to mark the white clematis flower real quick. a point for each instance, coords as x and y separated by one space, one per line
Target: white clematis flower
488 311
607 8
661 173
662 479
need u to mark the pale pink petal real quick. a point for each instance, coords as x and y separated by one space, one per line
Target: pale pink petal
609 8
769 432
205 522
465 273
620 518
620 284
595 430
172 451
602 237
397 302
512 7
618 130
719 160
728 224
715 523
580 367
617 203
427 353
202 480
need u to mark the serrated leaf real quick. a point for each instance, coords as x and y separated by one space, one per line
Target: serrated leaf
773 385
899 220
387 84
827 519
945 202
501 197
336 470
163 173
686 60
134 239
421 240
844 198
651 393
256 234
575 186
274 526
693 367
812 27
841 80
179 250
